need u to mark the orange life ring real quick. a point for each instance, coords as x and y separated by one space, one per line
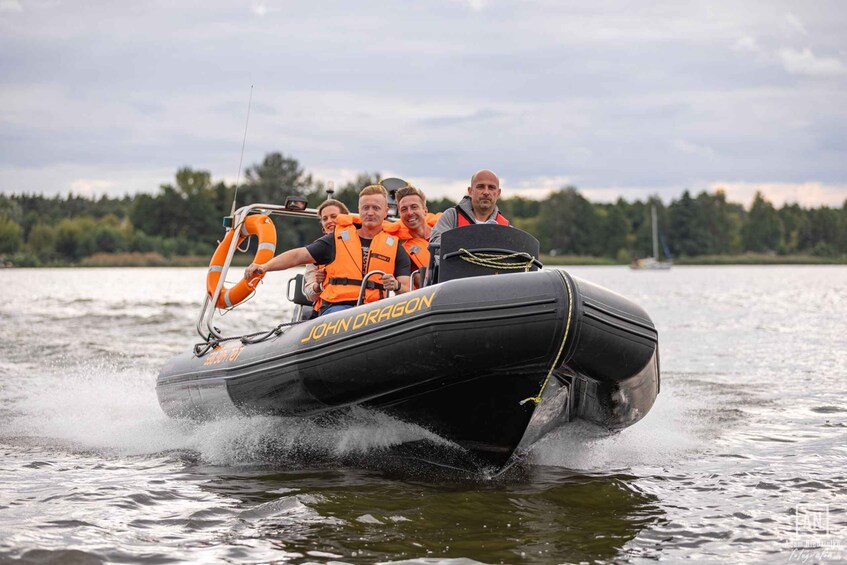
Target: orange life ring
262 227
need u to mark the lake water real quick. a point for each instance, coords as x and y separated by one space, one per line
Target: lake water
742 459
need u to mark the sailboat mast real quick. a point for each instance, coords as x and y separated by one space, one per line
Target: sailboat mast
655 233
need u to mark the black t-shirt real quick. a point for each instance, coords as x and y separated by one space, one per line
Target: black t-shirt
323 252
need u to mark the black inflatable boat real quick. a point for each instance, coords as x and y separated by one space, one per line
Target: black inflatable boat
492 356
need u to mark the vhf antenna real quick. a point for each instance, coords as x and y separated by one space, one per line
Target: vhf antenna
241 159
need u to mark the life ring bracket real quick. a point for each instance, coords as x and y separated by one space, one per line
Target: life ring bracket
258 225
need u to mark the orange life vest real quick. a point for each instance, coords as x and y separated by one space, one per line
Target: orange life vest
416 247
465 220
344 274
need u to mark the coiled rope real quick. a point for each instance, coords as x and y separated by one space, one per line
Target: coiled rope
498 260
200 349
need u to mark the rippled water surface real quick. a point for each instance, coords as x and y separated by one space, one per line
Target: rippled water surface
742 459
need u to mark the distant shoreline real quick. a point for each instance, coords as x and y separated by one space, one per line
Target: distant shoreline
153 259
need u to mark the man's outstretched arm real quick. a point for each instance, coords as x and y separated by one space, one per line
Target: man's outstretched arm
286 260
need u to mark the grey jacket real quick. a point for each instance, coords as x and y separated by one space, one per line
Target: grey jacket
450 219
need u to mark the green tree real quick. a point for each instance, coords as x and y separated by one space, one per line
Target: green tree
143 242
841 242
108 236
202 201
529 225
191 209
705 225
193 183
11 208
275 178
439 204
795 222
519 207
725 223
42 241
74 238
164 214
685 233
568 223
763 229
613 237
825 228
11 235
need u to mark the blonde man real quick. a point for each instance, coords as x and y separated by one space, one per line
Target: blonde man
350 252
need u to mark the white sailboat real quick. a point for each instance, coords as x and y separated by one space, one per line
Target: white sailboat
653 263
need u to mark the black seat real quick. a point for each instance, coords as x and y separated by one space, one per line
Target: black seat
303 311
486 249
295 291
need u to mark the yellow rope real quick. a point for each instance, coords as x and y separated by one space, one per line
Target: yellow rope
497 261
537 399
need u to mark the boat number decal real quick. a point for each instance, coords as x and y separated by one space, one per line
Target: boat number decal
372 316
224 354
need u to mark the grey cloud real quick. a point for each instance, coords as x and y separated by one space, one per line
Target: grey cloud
481 115
654 96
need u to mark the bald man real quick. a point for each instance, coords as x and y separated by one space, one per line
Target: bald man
479 206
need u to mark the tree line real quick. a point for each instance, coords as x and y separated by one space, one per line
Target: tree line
184 219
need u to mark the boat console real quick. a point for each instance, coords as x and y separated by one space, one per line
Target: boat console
483 249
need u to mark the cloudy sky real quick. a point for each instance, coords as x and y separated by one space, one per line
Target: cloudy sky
617 98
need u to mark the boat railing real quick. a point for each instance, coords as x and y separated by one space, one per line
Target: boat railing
293 207
364 286
417 279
